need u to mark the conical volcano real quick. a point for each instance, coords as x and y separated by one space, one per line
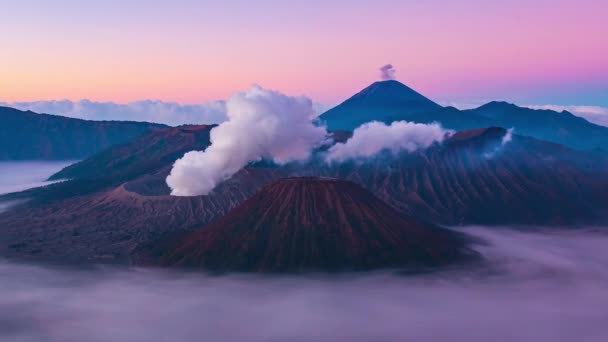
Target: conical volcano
391 92
384 101
316 224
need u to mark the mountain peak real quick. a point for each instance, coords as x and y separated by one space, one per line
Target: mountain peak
310 223
391 92
498 105
384 101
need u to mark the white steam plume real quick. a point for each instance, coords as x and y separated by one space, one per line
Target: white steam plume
505 140
387 72
507 137
261 124
374 137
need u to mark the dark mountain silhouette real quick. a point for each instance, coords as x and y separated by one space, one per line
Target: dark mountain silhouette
384 101
27 135
309 224
560 127
145 154
469 179
390 101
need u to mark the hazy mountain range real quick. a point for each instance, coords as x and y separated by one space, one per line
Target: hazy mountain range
389 101
27 135
549 170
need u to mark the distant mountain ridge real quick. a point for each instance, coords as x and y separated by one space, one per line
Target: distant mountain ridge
560 127
389 101
25 135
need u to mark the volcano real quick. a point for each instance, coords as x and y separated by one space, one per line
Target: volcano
472 178
390 101
384 101
306 223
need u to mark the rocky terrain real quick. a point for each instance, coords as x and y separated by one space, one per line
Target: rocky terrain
118 199
469 179
309 224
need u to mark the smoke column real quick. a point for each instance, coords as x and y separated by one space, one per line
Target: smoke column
371 138
505 140
507 137
387 72
261 124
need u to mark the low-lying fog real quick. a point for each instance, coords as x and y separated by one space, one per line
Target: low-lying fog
535 287
22 175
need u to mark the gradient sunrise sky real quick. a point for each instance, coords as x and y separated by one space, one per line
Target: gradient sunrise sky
532 52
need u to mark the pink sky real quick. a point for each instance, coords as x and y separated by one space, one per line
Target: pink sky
194 51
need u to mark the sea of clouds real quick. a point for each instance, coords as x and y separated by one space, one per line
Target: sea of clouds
542 287
21 175
17 176
169 113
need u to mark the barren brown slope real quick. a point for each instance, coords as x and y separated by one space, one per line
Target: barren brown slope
299 224
105 226
526 182
469 179
143 155
472 179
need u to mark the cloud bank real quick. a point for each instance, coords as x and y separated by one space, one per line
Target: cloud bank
374 137
534 287
595 114
22 175
387 72
261 124
169 113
